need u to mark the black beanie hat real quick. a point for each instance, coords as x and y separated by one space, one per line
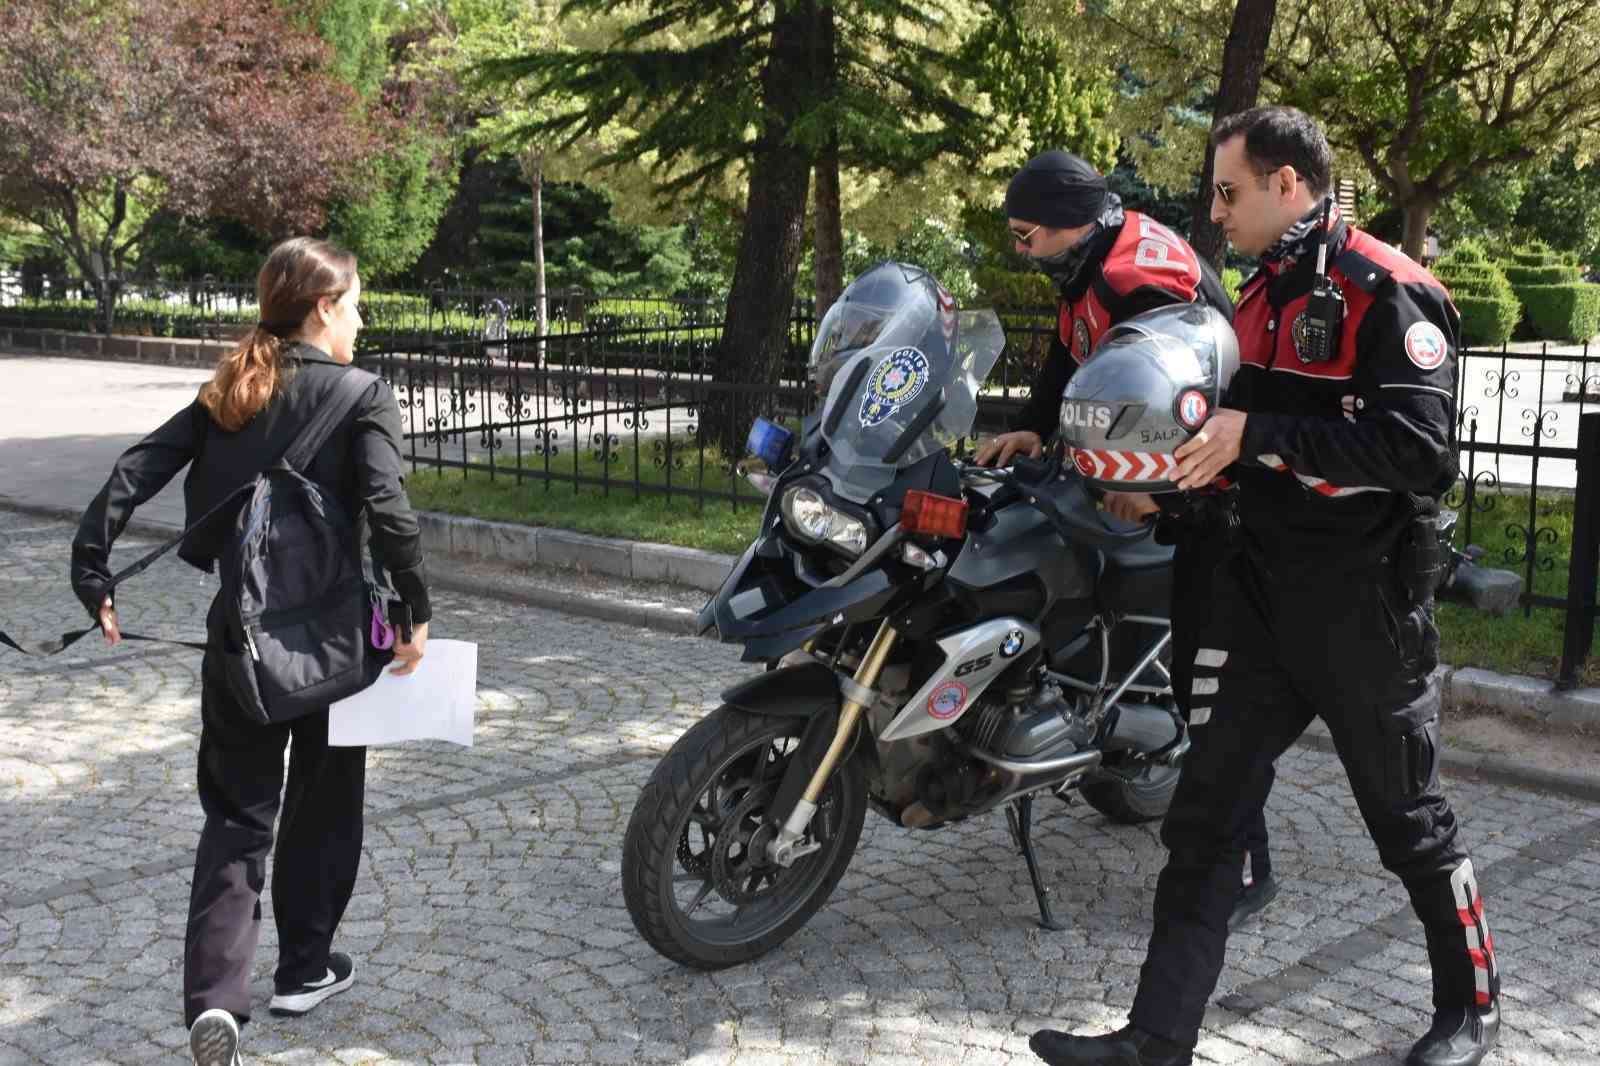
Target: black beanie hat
1056 189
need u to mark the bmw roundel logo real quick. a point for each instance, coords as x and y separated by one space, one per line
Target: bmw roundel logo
1012 644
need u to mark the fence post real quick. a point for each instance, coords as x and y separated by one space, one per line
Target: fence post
1584 567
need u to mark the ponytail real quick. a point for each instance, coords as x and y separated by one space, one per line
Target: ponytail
298 272
245 381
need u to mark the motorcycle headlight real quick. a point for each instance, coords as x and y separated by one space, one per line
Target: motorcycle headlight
812 518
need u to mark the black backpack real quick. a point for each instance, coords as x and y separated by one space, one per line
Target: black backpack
296 609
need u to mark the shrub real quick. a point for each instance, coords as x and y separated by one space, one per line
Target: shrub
1487 320
1231 280
1014 288
1490 309
1466 250
1553 274
1562 312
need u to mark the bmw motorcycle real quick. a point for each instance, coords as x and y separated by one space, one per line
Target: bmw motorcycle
941 640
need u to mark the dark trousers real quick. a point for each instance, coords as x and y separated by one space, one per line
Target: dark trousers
313 869
1194 566
1279 651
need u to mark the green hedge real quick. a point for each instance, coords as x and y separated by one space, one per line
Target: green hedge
1487 320
1562 312
1490 309
1552 274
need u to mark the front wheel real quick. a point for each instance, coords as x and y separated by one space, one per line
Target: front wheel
695 873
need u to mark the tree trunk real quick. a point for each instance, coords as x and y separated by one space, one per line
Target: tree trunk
830 232
1243 57
1417 214
828 221
533 172
755 330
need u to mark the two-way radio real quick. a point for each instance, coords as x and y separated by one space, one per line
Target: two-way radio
1322 322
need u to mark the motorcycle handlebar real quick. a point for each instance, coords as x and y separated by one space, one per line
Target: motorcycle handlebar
1041 484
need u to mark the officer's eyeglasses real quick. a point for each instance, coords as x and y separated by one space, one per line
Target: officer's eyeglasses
1226 190
1026 239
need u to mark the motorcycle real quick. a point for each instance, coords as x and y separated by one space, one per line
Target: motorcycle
941 640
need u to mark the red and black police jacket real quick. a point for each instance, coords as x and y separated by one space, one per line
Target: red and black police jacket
1332 449
1140 266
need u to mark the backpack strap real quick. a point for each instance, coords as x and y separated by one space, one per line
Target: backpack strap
352 385
340 401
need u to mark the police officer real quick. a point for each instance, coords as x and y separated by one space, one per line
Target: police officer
1341 445
1110 264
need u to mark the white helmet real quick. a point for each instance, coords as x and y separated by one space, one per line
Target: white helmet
1147 387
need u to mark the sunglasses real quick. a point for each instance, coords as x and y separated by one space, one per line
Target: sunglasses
1227 190
1025 239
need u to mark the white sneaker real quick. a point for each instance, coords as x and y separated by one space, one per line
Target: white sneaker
214 1039
299 1000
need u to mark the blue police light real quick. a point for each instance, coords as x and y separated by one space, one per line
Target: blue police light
770 443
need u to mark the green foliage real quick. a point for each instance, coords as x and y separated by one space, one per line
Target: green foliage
408 189
357 30
1562 312
1552 274
1014 288
1536 254
1486 320
178 249
1562 208
1489 306
1232 278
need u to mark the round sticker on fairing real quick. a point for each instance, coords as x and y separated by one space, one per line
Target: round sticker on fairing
894 382
1425 345
947 700
1193 408
1084 462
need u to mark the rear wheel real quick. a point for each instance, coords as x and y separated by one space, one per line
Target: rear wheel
695 874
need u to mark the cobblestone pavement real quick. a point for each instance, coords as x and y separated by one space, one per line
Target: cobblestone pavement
488 925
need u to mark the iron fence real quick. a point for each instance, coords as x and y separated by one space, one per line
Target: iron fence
1517 419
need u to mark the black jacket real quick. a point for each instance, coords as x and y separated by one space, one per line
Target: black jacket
1335 454
360 465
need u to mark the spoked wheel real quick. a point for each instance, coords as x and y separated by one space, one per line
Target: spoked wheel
695 873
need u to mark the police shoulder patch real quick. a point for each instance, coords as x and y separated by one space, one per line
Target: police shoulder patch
1426 345
1080 340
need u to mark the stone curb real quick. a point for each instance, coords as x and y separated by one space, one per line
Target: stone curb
165 351
519 545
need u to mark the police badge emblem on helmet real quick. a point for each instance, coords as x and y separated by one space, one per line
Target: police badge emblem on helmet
894 382
1193 408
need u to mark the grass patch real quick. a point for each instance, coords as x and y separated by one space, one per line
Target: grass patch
1518 643
713 525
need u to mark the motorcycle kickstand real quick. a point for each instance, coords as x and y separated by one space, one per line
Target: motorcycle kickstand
1019 818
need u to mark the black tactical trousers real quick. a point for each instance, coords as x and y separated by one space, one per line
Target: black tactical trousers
1194 564
1279 651
314 867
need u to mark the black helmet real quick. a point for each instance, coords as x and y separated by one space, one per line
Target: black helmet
889 305
1147 387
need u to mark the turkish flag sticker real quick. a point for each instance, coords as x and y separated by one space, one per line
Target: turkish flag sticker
1425 345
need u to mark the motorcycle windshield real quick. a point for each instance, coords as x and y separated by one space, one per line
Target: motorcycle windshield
893 404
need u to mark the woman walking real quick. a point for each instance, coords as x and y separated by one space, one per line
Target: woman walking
264 393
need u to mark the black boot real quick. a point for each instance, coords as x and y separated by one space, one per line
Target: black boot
1125 1047
1252 898
1460 1036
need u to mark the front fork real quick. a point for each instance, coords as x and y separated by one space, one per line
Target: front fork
858 692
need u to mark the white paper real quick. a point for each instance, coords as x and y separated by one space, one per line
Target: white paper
436 702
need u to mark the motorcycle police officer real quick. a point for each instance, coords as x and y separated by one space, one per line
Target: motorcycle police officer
1111 264
1340 442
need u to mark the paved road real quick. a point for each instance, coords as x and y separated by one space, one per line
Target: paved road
487 922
